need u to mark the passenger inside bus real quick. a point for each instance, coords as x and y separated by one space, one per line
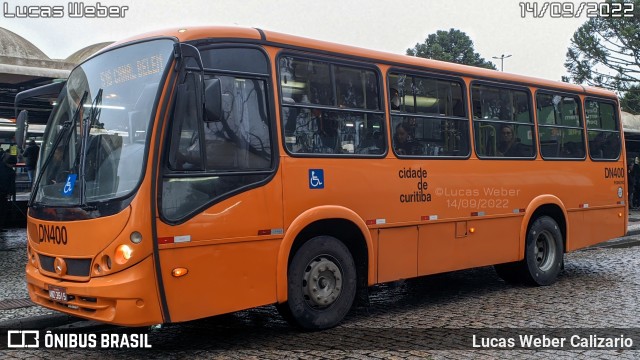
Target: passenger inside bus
328 125
59 168
394 96
401 140
509 145
597 146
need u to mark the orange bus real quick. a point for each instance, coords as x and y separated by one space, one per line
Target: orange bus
200 171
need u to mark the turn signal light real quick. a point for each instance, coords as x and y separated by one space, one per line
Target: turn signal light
472 230
31 255
123 254
178 272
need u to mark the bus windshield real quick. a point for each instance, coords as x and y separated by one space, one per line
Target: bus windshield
94 146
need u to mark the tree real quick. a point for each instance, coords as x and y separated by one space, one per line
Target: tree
630 102
452 46
605 51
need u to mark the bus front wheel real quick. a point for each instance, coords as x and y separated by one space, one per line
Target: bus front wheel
321 284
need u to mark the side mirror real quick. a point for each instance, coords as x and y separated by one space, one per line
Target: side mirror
212 100
21 128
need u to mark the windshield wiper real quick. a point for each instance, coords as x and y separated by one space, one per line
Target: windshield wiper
94 115
66 126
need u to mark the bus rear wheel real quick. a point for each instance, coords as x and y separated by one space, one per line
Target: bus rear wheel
543 258
543 252
321 284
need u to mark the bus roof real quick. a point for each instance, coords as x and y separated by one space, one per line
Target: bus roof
185 34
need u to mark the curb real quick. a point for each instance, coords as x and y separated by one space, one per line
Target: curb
57 321
38 322
623 242
632 232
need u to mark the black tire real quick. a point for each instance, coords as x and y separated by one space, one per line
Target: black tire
543 256
322 267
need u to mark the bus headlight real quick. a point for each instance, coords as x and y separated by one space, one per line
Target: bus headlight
123 254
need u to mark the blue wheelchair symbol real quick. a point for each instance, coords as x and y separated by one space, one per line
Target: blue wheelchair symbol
316 179
69 185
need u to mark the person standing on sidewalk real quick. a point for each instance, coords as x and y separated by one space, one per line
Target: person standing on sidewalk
30 156
634 187
7 185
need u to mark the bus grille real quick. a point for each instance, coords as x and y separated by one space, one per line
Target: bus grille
75 267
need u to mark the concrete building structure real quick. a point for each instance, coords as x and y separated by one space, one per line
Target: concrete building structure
23 66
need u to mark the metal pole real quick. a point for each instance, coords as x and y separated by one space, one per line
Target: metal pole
502 57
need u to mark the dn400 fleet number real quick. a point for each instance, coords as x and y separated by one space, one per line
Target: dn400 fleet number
52 234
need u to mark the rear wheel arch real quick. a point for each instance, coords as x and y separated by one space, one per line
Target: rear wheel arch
545 205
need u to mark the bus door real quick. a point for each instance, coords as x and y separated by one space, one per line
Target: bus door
220 199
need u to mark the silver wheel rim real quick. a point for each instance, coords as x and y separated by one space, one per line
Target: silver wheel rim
322 283
545 250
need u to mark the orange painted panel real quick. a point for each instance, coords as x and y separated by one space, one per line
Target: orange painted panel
578 232
232 265
440 250
599 224
397 253
82 239
221 278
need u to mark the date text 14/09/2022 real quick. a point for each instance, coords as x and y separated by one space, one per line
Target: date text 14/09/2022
568 9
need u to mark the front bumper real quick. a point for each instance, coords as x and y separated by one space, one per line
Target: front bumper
128 297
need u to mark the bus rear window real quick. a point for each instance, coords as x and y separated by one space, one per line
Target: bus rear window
603 130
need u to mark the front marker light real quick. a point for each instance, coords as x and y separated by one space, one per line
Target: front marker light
135 237
123 254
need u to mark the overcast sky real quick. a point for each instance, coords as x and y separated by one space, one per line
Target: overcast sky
537 45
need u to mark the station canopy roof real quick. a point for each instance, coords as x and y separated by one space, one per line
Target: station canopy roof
631 123
23 66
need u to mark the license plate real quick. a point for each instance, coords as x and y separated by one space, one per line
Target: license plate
57 293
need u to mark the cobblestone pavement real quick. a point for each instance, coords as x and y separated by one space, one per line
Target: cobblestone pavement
431 317
13 257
